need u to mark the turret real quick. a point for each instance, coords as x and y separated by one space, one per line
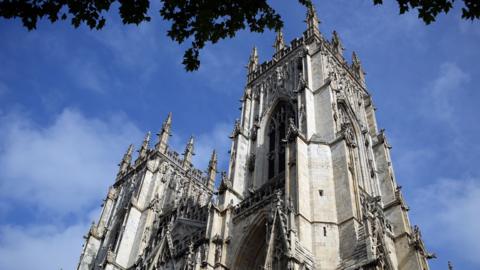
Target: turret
144 148
279 42
357 69
312 22
164 134
212 170
126 160
187 155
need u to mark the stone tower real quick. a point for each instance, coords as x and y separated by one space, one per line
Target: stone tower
310 183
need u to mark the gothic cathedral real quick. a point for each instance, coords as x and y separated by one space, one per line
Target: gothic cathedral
310 183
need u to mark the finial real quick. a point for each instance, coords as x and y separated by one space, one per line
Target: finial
312 21
213 160
190 144
188 153
253 61
355 60
279 42
143 150
146 140
168 122
212 170
126 160
357 68
129 151
337 43
164 134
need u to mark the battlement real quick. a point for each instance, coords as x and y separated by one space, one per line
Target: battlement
303 44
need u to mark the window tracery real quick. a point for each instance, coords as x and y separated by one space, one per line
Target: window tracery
276 131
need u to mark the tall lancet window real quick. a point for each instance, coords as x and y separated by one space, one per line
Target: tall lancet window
277 130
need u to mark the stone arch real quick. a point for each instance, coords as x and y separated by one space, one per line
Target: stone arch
275 103
352 130
252 251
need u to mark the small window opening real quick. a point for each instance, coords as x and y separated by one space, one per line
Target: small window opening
320 192
324 231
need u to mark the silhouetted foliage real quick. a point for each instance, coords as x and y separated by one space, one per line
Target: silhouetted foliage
429 9
195 21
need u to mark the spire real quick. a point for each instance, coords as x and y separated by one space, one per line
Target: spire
187 160
212 170
312 21
279 42
357 68
163 135
144 148
127 158
253 61
337 44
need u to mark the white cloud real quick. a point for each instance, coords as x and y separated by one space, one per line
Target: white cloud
81 66
409 161
363 25
448 214
89 74
59 169
214 60
140 50
132 47
42 247
64 167
204 143
443 89
216 139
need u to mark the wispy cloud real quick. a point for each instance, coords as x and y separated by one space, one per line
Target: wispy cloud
409 161
214 61
367 25
443 89
141 48
63 167
90 75
62 171
42 247
214 139
448 213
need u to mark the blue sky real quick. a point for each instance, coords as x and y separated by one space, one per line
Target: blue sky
71 100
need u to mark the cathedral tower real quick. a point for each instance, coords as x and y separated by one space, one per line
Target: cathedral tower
310 182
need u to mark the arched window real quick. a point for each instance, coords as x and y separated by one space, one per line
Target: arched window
277 130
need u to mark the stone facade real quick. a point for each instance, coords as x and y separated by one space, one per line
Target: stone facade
310 183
